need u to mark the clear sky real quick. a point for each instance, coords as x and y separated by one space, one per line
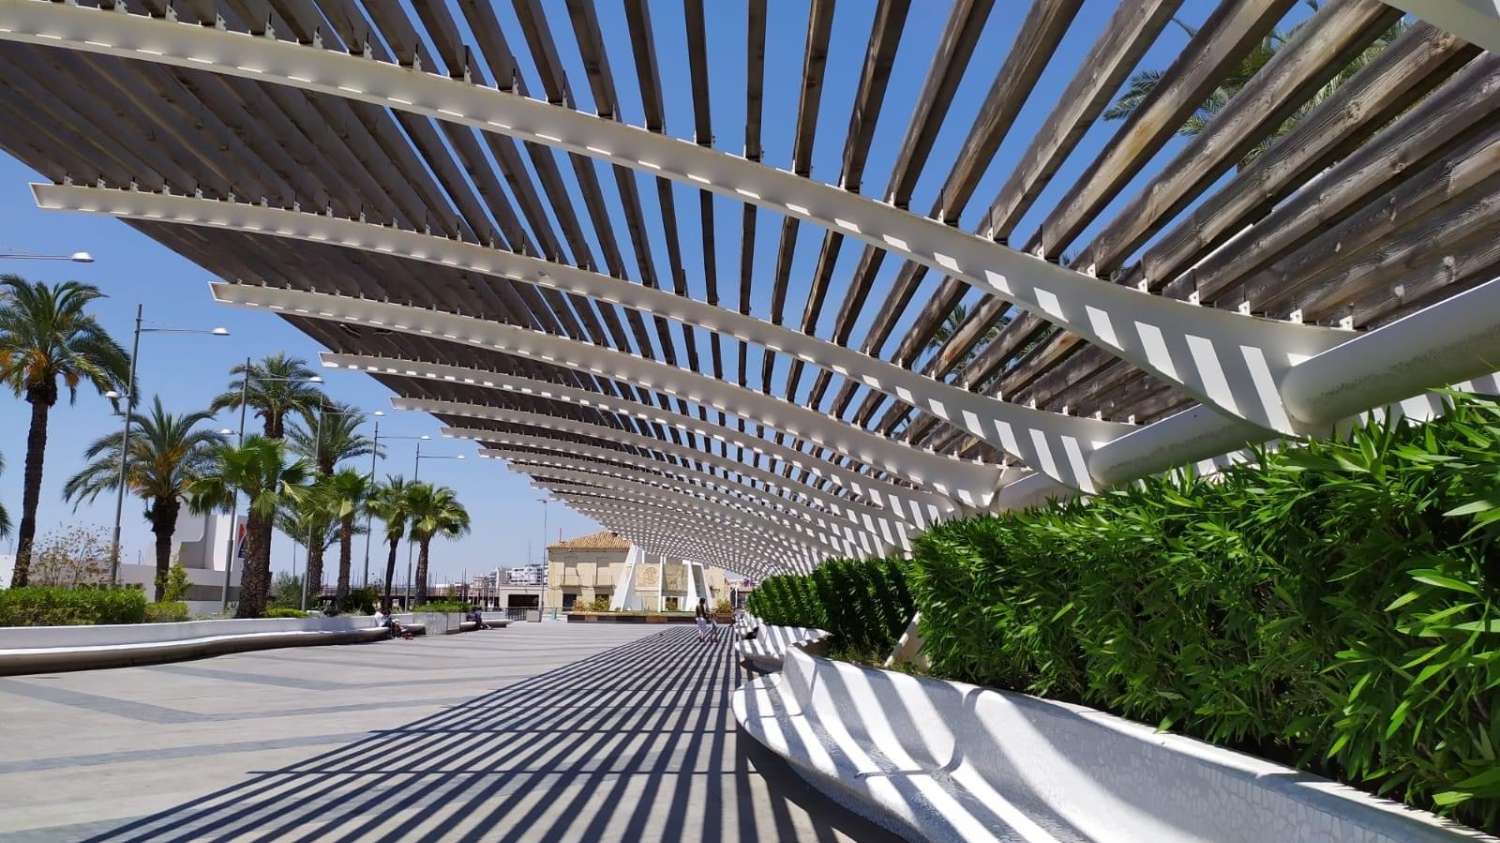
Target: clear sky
187 371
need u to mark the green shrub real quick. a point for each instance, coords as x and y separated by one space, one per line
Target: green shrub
166 611
442 606
1335 605
177 583
42 605
864 603
362 600
284 612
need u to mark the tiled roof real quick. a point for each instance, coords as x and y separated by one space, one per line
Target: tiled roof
602 540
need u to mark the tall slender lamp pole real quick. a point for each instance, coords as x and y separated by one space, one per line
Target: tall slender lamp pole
114 545
312 529
374 455
234 500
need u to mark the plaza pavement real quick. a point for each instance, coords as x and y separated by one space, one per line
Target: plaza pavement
537 732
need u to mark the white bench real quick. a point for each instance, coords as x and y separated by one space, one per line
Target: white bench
51 649
936 760
764 652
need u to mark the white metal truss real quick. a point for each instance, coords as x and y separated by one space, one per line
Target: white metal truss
921 507
1054 444
828 524
790 527
971 483
1232 362
883 525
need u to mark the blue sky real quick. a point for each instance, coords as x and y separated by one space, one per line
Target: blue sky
187 371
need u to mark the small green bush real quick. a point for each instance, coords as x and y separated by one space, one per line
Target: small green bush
361 600
864 603
60 606
177 584
284 612
166 611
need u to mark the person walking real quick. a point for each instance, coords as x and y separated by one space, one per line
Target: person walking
704 620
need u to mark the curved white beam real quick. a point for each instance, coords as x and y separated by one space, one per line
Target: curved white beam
628 482
923 507
1052 443
663 537
736 533
969 482
1232 362
878 501
823 522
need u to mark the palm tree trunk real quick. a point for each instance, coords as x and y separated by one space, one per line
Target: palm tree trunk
390 576
163 525
36 450
315 570
255 583
346 555
422 545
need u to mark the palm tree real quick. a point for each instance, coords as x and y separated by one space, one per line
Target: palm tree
260 470
388 502
4 515
1143 82
308 522
279 386
337 434
347 492
47 334
166 453
434 511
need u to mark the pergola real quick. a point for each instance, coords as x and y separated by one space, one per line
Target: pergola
455 204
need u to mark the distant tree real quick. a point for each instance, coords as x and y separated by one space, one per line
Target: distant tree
262 472
4 515
308 522
388 502
47 335
1143 83
347 491
338 436
279 386
166 453
434 511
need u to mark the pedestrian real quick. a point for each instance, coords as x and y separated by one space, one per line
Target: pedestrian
704 620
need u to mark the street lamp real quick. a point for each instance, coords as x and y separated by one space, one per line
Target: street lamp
416 470
75 257
130 399
234 500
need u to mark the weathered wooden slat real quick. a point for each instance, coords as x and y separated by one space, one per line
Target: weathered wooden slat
1230 33
1318 49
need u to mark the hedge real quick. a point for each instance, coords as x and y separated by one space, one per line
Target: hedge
42 605
1335 606
865 603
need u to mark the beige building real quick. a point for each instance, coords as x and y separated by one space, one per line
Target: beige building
586 568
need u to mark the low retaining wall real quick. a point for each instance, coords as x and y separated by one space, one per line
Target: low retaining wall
936 760
628 617
47 649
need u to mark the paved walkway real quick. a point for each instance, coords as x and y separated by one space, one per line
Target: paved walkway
537 732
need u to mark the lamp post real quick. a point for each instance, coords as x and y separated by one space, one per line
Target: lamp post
75 257
130 400
374 454
416 470
541 600
234 499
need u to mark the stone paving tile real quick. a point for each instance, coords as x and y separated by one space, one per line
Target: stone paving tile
537 732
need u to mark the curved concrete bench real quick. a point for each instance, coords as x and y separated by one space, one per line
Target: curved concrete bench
50 649
935 760
765 652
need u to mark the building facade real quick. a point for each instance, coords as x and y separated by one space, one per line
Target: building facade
589 568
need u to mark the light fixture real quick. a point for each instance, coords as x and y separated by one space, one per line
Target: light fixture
315 379
112 395
81 257
220 332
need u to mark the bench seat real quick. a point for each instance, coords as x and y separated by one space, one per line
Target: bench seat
764 652
946 761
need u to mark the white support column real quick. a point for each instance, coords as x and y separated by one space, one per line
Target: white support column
625 599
